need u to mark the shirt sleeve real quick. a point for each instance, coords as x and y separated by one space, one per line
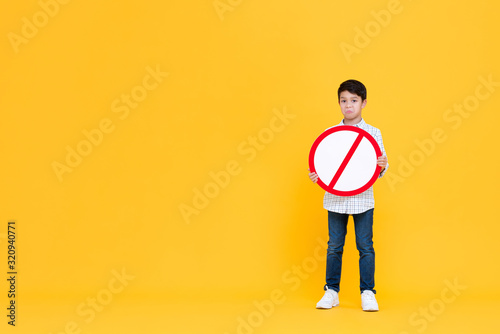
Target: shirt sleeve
380 143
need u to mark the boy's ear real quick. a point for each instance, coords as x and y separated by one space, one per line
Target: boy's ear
364 103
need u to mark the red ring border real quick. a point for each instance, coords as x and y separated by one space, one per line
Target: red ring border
338 128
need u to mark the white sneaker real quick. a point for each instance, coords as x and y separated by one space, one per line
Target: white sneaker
368 301
329 300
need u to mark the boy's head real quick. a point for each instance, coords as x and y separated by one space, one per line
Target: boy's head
352 100
353 87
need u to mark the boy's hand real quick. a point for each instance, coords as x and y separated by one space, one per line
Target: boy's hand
313 176
382 161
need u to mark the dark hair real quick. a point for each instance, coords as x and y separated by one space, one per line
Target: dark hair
353 87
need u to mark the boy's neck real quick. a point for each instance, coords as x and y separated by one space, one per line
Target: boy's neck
352 121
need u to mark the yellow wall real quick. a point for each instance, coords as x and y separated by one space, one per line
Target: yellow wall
176 93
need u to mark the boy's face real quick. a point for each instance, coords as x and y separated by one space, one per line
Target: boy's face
351 106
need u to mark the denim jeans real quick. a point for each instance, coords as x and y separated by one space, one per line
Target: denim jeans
337 228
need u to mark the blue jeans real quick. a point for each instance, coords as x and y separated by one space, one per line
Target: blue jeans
337 228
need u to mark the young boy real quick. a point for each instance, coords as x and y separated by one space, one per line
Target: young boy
352 100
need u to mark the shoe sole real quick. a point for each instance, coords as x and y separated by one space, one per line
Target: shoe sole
326 308
371 310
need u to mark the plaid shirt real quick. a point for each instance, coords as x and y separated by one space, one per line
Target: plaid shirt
361 202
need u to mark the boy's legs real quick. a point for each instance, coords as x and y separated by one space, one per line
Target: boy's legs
337 229
363 224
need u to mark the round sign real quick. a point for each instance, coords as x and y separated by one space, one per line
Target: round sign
345 159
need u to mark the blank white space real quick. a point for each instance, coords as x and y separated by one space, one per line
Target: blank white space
331 152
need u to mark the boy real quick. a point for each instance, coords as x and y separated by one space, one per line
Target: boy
352 100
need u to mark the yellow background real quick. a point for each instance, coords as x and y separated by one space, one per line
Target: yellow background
229 73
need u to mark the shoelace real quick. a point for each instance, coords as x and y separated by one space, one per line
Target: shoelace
370 296
328 295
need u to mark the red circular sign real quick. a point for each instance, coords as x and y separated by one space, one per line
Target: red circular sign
345 159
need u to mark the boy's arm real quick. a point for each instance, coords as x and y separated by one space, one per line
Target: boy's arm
382 160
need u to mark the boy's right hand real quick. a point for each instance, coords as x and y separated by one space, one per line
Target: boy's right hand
313 176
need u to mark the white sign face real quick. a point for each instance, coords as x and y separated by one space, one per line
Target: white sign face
345 159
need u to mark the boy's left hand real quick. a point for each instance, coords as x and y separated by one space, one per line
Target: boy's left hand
382 161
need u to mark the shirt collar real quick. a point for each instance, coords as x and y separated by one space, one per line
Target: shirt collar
359 125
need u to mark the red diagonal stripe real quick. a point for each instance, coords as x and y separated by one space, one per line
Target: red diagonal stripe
346 161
